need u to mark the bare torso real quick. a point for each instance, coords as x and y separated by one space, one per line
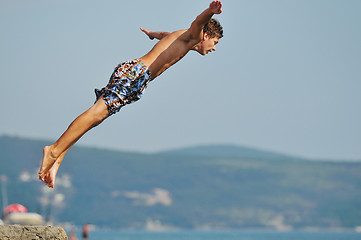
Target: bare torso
167 52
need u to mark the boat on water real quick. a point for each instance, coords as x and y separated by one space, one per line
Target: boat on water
24 219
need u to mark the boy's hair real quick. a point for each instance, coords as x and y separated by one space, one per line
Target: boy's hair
213 28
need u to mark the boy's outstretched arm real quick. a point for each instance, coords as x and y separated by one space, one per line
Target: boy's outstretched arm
197 25
157 35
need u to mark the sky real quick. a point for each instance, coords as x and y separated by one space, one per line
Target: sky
286 77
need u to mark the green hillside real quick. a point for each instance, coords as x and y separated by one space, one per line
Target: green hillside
229 151
210 187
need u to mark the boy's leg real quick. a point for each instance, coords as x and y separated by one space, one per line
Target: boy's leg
86 121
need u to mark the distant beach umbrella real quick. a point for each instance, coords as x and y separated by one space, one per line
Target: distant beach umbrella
15 208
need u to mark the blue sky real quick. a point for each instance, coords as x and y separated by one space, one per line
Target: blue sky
286 77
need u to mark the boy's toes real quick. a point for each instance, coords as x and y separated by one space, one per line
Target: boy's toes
41 177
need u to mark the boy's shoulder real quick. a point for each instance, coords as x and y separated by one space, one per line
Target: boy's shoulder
182 35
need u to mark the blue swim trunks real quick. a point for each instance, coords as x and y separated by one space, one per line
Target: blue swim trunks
126 85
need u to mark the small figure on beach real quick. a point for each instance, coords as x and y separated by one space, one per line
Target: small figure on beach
130 78
72 235
86 232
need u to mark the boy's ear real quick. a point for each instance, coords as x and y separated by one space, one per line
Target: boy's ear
205 36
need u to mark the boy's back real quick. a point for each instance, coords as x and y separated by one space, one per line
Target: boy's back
168 51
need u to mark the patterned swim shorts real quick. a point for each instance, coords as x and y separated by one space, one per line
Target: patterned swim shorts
126 85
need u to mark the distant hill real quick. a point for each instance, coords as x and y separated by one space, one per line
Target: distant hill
229 151
207 187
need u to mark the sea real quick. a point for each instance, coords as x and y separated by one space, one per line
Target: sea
221 235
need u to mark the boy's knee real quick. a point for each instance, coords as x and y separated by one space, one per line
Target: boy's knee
99 111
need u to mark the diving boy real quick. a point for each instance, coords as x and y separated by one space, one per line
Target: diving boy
129 80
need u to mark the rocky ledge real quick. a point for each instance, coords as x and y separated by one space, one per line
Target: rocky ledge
20 232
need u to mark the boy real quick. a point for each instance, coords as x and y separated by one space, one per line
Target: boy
130 78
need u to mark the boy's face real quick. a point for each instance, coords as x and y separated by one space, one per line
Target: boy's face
207 45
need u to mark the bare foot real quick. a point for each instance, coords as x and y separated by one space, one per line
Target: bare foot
49 177
47 163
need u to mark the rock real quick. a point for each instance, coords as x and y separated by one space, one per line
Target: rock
20 232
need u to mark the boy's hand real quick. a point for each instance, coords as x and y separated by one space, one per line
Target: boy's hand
148 33
216 7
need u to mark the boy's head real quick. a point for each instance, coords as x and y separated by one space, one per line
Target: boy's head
213 28
212 32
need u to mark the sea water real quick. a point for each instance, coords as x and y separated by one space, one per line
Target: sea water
221 235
